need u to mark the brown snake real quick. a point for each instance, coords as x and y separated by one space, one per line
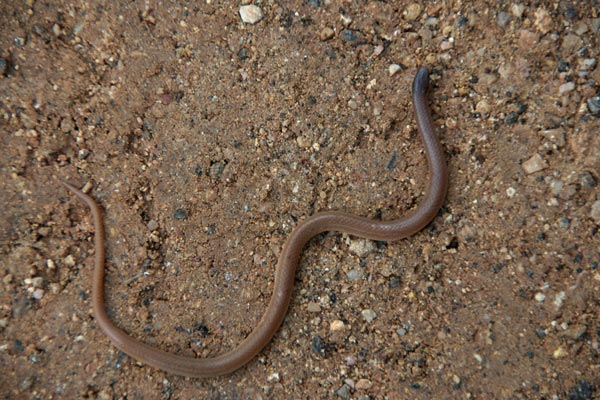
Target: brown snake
287 263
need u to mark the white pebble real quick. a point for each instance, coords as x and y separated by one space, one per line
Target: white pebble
251 14
393 68
517 10
369 315
540 297
38 294
559 299
361 247
588 64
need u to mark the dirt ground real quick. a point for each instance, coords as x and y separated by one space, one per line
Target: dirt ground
206 139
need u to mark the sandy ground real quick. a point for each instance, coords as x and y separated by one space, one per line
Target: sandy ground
206 139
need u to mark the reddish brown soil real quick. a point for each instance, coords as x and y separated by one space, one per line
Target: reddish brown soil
205 140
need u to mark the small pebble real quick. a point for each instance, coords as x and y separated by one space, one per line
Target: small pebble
38 294
82 154
564 223
363 384
587 64
344 392
361 247
337 325
559 299
251 14
535 164
446 45
326 34
595 213
368 315
593 105
580 28
575 332
483 107
354 37
346 21
556 136
412 12
274 377
503 19
393 68
587 180
543 20
517 10
540 297
566 88
528 39
354 274
37 282
560 353
19 41
180 214
456 380
571 43
313 307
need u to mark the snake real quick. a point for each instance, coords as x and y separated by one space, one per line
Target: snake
325 221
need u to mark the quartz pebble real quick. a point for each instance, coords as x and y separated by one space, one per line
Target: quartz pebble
337 325
517 10
540 297
251 14
361 247
566 88
369 315
38 294
535 164
412 11
393 68
560 353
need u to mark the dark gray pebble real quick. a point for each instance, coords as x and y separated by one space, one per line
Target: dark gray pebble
344 392
593 104
582 391
587 180
180 214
